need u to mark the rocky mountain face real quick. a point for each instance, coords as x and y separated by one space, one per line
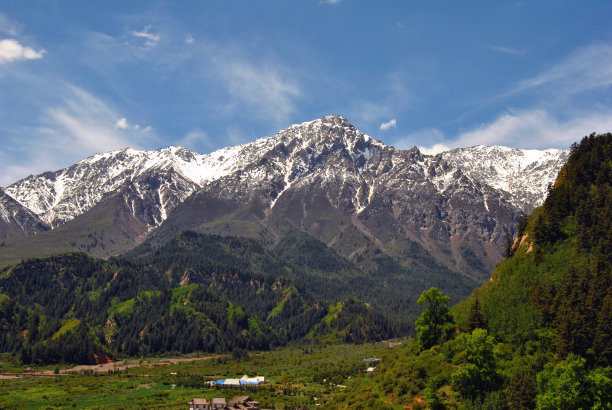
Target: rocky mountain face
16 219
323 177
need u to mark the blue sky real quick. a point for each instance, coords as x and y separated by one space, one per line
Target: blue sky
80 77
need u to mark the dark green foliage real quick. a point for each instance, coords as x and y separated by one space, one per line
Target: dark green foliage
494 400
354 322
475 319
435 323
479 375
522 391
373 276
77 346
570 385
432 396
196 293
577 218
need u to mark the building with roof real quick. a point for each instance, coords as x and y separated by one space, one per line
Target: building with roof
218 403
236 403
199 404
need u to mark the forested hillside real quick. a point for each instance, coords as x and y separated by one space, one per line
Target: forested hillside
198 293
539 334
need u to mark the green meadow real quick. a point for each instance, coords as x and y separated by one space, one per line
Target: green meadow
297 376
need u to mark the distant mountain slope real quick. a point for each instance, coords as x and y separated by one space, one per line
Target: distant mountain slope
323 177
524 174
195 293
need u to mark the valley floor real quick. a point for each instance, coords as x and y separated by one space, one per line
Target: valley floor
297 376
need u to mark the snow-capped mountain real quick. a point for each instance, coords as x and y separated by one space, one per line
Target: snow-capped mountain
17 220
297 179
524 174
295 155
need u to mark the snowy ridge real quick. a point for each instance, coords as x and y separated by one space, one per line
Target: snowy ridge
15 219
354 170
524 174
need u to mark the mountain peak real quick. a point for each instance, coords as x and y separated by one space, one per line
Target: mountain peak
328 150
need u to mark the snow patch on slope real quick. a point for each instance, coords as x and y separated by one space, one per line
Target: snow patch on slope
328 150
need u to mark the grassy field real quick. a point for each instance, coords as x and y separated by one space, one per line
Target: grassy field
296 377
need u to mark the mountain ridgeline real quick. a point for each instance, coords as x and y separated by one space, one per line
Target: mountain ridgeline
324 177
539 334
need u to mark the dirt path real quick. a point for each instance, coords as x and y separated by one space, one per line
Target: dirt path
117 366
127 364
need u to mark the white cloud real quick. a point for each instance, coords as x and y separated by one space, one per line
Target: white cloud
587 68
12 50
552 122
152 39
82 123
428 137
235 79
73 126
389 124
536 129
264 90
122 124
330 1
434 149
505 50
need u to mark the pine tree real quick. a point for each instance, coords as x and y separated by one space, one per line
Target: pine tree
475 320
522 391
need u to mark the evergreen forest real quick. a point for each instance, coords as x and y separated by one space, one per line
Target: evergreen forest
197 293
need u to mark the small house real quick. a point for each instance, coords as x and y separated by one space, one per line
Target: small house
217 403
243 402
199 404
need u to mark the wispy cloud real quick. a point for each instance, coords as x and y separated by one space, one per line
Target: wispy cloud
367 112
529 129
505 50
330 1
75 126
255 84
431 140
389 124
86 124
11 50
394 98
550 122
197 140
537 129
151 39
585 69
263 89
8 26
